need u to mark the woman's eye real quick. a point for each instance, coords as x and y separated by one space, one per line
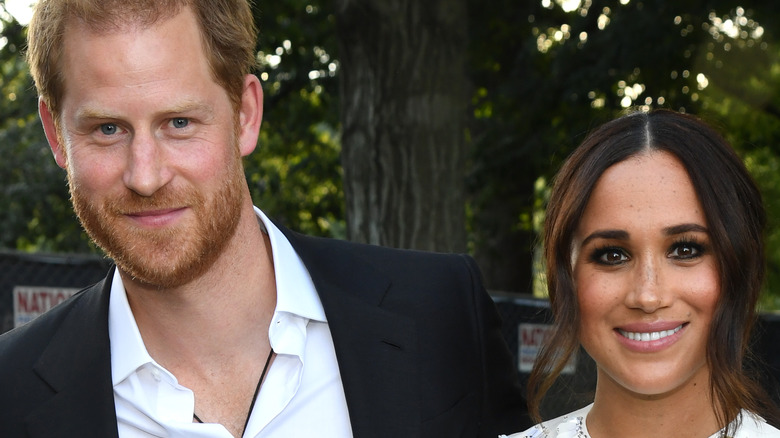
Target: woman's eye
686 251
180 122
610 256
613 257
109 129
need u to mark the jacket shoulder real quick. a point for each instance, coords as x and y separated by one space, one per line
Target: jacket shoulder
20 346
337 254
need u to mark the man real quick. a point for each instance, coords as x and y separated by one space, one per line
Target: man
216 321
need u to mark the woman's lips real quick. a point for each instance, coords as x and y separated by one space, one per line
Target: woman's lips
650 338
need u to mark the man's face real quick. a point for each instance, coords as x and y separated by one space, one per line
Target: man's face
150 145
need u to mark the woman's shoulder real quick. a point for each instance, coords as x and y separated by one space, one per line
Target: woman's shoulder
753 426
571 425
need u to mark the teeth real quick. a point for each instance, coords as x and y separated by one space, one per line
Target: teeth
649 336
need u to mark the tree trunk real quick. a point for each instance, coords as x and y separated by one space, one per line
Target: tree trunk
404 97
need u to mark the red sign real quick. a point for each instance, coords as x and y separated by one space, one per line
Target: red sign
32 301
531 337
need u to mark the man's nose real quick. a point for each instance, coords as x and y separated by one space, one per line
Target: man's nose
146 170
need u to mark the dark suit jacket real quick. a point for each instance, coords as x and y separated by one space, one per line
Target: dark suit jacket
417 340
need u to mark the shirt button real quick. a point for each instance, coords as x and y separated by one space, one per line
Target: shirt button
156 374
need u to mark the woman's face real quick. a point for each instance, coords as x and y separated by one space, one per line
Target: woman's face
646 278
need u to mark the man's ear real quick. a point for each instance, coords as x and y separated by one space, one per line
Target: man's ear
251 114
51 134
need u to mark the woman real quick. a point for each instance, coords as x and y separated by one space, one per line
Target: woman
655 260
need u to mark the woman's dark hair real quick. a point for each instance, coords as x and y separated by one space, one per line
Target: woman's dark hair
735 219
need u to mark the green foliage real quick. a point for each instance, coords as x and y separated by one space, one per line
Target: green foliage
743 102
570 70
35 214
295 175
764 164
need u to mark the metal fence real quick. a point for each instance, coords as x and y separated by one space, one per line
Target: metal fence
32 283
35 282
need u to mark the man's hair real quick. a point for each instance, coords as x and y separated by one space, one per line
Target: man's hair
735 219
227 30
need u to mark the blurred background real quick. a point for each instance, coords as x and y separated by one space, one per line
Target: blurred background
438 125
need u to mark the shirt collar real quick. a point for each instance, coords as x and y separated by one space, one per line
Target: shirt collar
128 352
295 291
295 295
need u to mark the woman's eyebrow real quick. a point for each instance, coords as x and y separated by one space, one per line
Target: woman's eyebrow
685 228
624 235
606 234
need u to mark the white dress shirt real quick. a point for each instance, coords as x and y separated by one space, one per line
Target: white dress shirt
302 395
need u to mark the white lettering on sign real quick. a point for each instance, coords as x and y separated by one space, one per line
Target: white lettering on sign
32 301
530 339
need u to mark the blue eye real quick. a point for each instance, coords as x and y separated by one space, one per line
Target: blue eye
180 122
108 129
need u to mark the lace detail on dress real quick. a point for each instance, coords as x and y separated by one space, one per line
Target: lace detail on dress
573 427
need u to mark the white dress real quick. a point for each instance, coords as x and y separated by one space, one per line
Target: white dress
573 425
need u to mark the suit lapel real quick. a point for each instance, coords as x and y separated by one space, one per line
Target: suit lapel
376 349
77 366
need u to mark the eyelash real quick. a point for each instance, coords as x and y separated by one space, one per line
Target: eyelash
698 248
117 129
600 252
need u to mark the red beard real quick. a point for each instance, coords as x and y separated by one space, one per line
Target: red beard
172 256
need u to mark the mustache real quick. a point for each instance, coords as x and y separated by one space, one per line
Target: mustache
130 202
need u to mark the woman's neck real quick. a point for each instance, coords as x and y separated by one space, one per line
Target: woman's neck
687 411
